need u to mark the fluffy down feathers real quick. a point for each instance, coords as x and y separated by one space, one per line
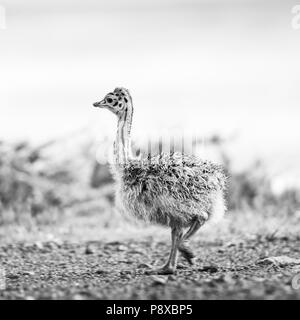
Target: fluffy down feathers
171 189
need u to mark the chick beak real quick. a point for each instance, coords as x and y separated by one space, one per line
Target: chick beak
99 104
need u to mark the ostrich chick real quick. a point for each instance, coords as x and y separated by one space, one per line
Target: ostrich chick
174 190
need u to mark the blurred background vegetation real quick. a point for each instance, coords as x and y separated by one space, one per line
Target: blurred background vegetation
37 185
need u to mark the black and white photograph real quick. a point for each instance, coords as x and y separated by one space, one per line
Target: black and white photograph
149 150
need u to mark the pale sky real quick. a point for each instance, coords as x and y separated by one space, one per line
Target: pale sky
228 67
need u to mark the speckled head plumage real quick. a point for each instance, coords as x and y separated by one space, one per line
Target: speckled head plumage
117 101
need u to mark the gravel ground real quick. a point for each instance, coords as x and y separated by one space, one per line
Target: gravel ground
115 270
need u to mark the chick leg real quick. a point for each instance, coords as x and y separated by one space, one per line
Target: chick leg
171 264
183 247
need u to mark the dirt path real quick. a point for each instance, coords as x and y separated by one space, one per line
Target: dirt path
112 270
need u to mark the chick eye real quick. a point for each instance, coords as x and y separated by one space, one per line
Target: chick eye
109 100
